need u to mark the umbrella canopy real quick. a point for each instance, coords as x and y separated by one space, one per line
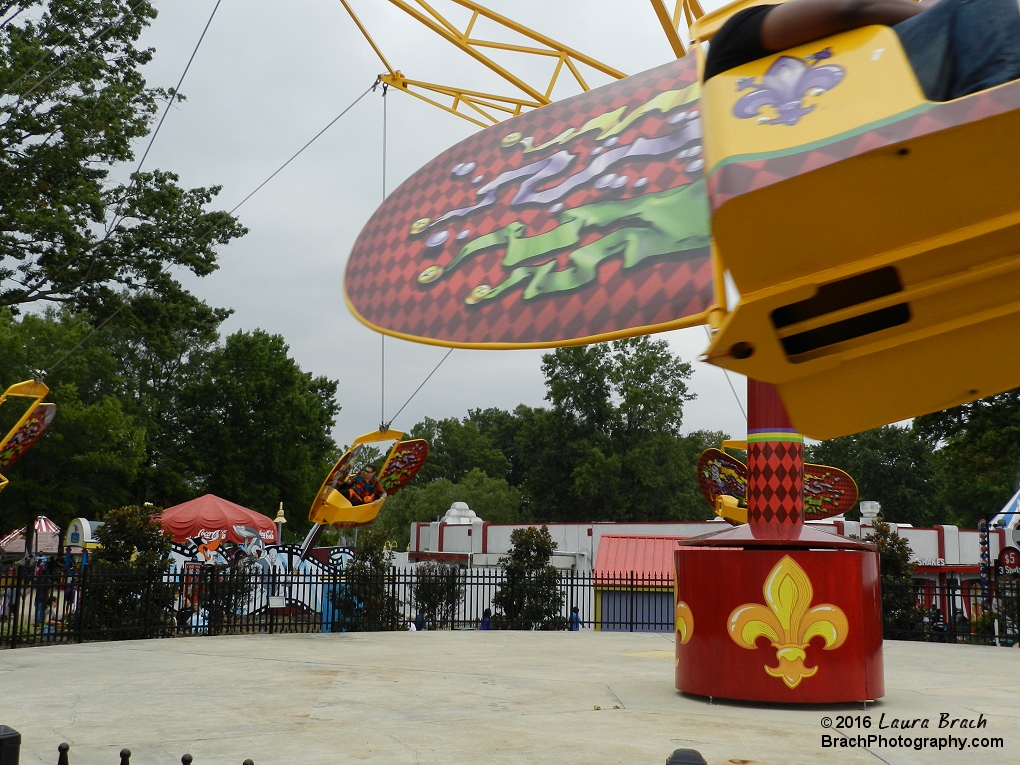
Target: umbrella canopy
210 517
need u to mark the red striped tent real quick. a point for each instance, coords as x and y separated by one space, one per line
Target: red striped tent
47 538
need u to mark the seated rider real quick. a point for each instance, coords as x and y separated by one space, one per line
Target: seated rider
956 47
362 488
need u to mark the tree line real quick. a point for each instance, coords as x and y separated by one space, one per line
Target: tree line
159 408
609 447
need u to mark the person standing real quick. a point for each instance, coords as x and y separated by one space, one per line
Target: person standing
575 620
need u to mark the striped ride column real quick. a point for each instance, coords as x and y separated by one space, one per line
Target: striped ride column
775 466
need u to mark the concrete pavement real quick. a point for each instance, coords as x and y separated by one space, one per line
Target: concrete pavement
466 697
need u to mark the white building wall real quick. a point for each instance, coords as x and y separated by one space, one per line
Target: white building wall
924 543
952 537
577 543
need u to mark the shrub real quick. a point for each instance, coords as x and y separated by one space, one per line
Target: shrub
365 599
437 592
530 598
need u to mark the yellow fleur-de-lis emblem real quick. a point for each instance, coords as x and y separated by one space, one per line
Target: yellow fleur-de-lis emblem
684 619
788 622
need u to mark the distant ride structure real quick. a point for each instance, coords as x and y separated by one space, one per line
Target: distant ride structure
30 426
334 506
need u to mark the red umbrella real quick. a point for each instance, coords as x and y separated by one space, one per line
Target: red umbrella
210 517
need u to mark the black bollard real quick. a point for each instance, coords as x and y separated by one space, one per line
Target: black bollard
125 757
186 759
248 762
62 757
686 757
10 746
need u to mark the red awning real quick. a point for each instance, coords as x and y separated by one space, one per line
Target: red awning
209 517
648 558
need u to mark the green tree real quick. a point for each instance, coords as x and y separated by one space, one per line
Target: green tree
84 464
900 609
530 597
437 592
493 499
157 344
978 452
366 601
892 465
75 102
625 389
132 537
610 448
456 447
124 592
258 427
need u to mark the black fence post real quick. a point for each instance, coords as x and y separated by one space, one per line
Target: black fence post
951 602
631 590
17 605
79 611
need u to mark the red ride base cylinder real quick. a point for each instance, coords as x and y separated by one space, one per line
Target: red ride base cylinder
798 626
774 610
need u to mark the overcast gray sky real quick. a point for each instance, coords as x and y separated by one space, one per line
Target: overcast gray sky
267 78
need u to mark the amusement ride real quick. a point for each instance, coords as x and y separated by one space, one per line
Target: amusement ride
851 247
807 215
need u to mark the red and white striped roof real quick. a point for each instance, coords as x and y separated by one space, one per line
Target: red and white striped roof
46 526
43 525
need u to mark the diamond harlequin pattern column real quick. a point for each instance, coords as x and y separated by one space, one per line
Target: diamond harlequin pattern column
775 466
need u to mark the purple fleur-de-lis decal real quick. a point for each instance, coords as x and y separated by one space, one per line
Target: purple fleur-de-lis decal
784 86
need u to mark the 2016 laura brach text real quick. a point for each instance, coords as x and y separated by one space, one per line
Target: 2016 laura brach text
945 720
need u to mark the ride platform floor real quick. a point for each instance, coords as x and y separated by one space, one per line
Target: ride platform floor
465 697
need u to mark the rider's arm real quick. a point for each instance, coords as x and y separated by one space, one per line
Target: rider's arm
801 21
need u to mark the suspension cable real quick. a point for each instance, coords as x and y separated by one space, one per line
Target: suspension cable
419 388
117 216
298 152
728 380
173 96
382 337
82 342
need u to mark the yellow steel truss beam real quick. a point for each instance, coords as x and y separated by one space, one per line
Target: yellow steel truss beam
671 21
486 109
483 109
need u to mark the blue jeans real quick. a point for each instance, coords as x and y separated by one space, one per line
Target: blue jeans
958 47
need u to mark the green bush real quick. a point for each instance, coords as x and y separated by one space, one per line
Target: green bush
530 598
437 592
365 600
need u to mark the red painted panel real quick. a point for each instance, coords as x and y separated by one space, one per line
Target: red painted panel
717 583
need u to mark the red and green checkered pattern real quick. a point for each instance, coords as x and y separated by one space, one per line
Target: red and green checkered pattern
775 483
736 178
381 280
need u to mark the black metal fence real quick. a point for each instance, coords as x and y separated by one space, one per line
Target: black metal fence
953 613
96 605
101 605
